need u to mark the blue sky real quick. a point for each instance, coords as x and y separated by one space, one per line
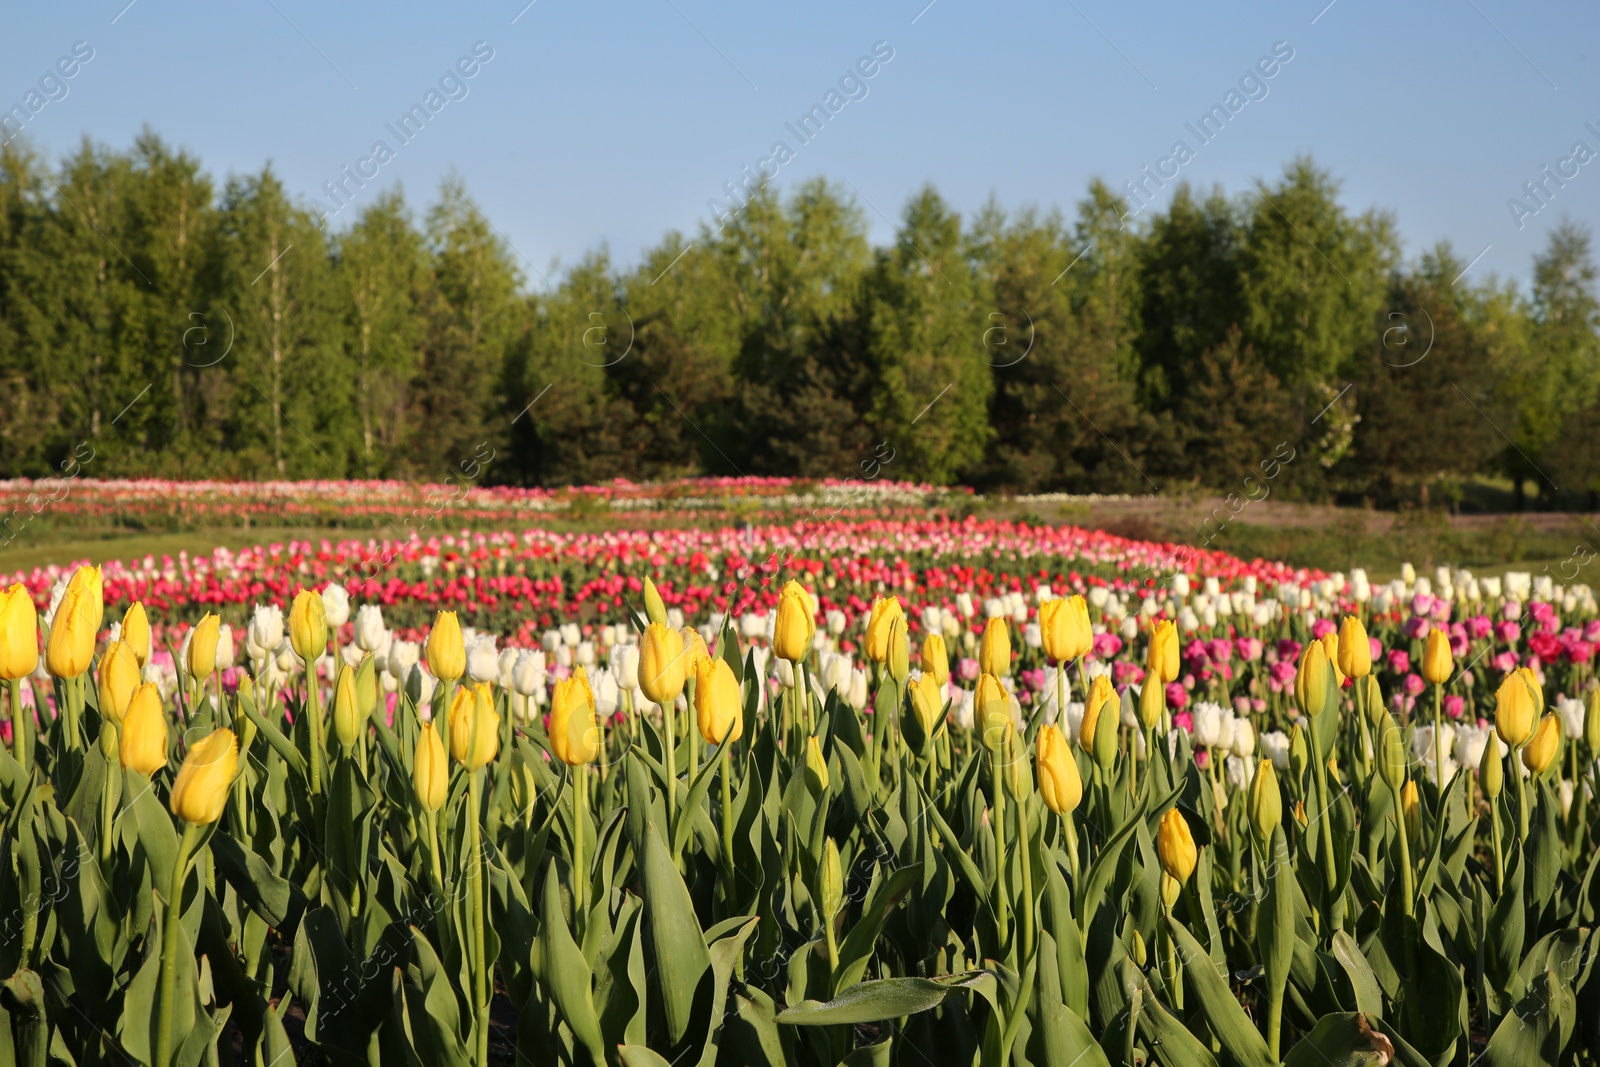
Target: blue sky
612 123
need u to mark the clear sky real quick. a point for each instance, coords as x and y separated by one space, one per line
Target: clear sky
612 123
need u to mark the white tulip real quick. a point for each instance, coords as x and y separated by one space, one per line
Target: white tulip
1244 737
1275 747
571 634
370 631
483 659
584 654
335 605
266 627
225 653
508 664
625 665
527 676
403 655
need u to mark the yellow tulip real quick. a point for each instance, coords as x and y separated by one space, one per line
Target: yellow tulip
1514 713
136 632
1311 679
19 634
144 731
347 717
994 653
203 648
1437 663
718 708
1330 648
1411 809
989 704
695 652
927 703
116 680
1266 803
87 582
662 664
200 791
308 625
1152 702
447 656
1535 690
1162 659
935 660
1101 692
1059 782
574 733
72 634
1175 846
1355 650
796 624
1064 626
1545 745
474 726
898 661
430 774
884 611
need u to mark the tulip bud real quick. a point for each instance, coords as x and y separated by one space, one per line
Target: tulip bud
663 668
367 685
574 733
1137 950
1105 737
994 654
1437 663
430 774
474 726
796 624
1064 628
898 661
19 634
1355 650
1266 803
1514 713
655 609
989 707
1101 693
927 706
308 626
935 661
136 632
1175 846
447 654
1411 809
1059 782
200 791
1391 752
1491 773
1170 889
116 681
347 718
202 656
87 582
1591 723
816 769
1543 747
1152 702
718 709
1311 680
830 878
1162 658
144 731
1372 699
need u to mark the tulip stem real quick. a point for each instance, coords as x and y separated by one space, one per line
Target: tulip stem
19 724
1026 853
169 943
314 721
1438 753
475 906
1499 849
669 741
1522 794
580 816
432 818
998 822
727 820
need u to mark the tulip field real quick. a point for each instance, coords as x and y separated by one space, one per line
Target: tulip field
830 790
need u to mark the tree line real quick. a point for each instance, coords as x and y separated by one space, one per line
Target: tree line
184 328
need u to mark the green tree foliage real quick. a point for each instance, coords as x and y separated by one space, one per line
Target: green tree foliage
175 327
